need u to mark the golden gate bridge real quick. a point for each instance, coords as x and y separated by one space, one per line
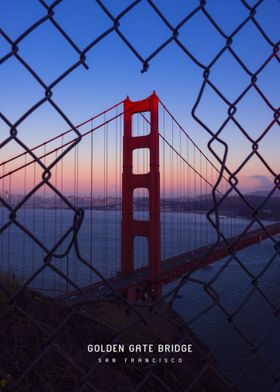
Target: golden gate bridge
144 191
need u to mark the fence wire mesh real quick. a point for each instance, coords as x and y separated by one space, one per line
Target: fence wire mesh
41 340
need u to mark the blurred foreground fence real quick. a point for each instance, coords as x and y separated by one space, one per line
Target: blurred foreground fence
27 362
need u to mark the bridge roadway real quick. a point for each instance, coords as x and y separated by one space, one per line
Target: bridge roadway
171 268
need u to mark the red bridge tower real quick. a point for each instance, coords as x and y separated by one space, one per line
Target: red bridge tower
151 181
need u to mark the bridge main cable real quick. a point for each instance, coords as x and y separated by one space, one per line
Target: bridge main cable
55 150
64 133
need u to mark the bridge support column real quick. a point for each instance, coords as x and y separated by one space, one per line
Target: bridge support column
130 228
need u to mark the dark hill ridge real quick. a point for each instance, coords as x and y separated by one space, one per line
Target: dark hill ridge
263 193
32 319
232 206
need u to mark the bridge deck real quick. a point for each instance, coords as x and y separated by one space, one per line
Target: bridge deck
172 268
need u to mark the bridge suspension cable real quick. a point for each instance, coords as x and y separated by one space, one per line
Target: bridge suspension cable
90 177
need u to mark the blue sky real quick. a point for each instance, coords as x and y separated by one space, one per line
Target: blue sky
115 72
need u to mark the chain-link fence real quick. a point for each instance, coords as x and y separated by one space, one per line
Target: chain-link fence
43 342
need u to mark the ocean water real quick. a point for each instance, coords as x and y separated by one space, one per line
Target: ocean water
246 346
236 319
24 246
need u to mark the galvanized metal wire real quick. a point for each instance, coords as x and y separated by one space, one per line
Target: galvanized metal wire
49 331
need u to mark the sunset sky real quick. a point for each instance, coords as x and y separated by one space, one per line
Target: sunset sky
115 72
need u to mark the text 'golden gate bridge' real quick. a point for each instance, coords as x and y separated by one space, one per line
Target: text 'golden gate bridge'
145 188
